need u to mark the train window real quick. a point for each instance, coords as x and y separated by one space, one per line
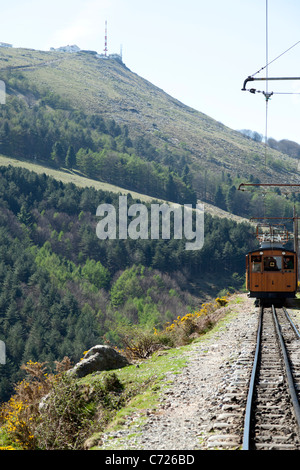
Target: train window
256 264
272 263
288 263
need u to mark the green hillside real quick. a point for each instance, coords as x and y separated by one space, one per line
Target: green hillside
70 176
108 87
76 131
208 155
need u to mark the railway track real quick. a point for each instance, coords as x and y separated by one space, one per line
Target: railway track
272 419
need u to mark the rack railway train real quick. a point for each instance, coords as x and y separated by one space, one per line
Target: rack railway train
272 270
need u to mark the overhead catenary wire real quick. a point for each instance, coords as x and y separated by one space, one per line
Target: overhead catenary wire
266 66
276 58
266 92
267 49
267 96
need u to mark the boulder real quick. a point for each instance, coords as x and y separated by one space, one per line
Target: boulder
99 358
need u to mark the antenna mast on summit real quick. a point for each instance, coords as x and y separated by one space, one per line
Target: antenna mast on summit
105 40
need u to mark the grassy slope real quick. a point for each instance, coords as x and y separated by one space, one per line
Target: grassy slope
108 87
69 176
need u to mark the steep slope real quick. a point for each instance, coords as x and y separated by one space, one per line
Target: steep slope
82 182
108 87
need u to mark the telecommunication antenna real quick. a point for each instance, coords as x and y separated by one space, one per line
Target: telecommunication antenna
105 40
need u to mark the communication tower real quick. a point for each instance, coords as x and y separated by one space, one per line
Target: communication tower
105 40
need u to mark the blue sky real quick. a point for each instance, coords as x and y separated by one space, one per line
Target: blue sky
200 52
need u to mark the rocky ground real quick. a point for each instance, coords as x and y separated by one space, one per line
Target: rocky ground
203 407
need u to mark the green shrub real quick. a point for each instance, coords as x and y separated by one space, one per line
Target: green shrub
73 411
139 343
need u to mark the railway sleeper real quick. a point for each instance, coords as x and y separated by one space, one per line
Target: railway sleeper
227 441
274 427
276 447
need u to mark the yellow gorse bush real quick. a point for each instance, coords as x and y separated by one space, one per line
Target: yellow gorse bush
206 308
16 422
222 301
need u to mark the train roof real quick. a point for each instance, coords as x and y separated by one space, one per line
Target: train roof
266 249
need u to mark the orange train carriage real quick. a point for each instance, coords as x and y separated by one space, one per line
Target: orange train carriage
271 273
272 270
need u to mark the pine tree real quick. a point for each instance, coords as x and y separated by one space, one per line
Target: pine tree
57 154
219 198
231 199
70 157
24 215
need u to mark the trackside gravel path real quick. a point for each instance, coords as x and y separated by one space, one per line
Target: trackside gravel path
203 407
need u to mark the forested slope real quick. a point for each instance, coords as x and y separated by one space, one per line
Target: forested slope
62 289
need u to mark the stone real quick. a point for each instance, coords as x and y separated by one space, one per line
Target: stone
99 358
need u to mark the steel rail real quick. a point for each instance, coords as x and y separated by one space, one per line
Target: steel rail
291 323
288 371
248 414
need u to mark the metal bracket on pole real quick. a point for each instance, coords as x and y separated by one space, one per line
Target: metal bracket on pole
252 79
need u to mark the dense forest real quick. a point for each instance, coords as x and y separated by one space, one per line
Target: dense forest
63 290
